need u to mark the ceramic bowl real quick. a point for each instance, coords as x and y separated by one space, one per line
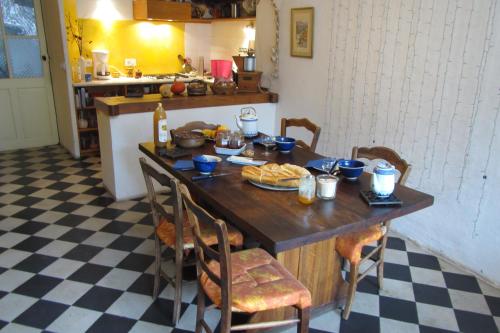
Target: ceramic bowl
351 169
205 164
284 144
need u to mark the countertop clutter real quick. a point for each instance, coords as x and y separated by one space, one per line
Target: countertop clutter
153 79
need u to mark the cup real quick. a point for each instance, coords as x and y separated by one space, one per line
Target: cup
307 189
326 186
327 164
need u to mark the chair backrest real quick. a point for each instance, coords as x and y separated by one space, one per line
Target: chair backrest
193 125
386 154
157 209
204 253
307 124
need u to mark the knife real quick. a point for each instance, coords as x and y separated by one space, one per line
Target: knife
202 177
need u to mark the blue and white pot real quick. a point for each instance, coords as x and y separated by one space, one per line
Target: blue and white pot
247 122
383 179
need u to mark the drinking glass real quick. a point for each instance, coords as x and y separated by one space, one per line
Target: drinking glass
327 164
307 189
267 142
326 186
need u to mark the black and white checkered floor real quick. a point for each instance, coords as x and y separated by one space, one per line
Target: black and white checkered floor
73 260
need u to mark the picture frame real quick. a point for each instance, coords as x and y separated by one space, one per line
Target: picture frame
301 32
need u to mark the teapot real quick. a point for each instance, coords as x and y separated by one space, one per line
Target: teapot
247 122
383 179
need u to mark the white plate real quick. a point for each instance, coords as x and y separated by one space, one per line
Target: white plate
229 151
273 187
245 161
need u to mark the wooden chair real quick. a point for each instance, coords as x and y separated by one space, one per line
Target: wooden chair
350 246
307 124
246 281
175 234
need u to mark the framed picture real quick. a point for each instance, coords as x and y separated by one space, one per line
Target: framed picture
302 31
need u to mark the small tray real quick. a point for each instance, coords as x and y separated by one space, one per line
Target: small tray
373 200
173 153
229 151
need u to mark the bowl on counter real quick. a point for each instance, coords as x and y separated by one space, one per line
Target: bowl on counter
188 139
206 164
284 144
351 169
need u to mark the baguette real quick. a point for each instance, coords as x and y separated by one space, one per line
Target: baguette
273 174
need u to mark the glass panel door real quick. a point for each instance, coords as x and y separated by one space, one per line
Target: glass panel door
19 45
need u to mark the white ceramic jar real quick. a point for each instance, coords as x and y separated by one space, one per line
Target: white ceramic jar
383 179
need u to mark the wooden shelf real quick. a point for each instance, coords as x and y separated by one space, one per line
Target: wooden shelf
88 129
221 19
89 151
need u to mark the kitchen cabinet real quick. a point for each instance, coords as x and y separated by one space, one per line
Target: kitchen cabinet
161 10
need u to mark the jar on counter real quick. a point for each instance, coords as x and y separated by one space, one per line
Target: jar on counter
222 139
307 189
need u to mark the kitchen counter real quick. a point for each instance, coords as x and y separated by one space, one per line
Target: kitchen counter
124 81
122 105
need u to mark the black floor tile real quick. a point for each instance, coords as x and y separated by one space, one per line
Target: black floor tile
359 322
142 207
82 252
428 329
3 324
63 196
397 272
470 322
89 273
71 220
494 305
28 213
156 312
125 243
398 309
37 286
41 314
423 260
24 180
67 207
461 282
59 186
32 244
90 182
117 227
76 235
35 263
111 324
98 298
30 227
431 295
100 201
56 176
144 285
136 262
368 285
26 190
109 213
27 201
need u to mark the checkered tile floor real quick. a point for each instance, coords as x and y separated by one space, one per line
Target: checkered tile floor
73 260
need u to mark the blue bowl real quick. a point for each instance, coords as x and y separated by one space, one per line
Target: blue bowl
205 164
284 144
351 169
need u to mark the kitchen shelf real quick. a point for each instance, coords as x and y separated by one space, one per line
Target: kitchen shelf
221 19
89 151
88 129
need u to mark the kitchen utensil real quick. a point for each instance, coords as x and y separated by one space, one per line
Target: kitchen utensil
235 10
101 66
205 164
222 69
249 81
249 64
247 122
383 179
189 139
221 87
284 144
203 176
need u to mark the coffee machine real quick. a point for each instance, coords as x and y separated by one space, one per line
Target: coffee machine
101 66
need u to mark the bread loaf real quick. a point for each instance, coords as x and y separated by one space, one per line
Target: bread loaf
274 174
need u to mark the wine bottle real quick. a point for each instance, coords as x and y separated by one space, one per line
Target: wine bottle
160 127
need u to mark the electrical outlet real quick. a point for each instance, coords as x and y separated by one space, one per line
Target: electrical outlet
130 62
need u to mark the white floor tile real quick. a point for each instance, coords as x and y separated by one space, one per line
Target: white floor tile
88 210
189 291
101 239
398 289
53 231
93 223
131 216
119 279
488 289
366 303
47 204
9 223
328 321
427 276
396 326
16 328
462 300
11 239
49 217
437 316
12 305
140 230
67 292
143 326
188 318
12 278
62 268
82 199
109 257
74 319
9 198
147 247
57 248
44 193
130 305
12 257
396 257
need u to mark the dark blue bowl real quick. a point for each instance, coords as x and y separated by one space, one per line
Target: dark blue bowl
284 144
351 169
205 164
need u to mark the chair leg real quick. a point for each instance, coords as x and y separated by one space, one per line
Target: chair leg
178 285
156 285
380 267
200 310
304 315
353 283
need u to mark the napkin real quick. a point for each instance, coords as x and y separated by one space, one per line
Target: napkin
244 161
183 165
316 164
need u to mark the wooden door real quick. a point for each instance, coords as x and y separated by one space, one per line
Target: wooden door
27 114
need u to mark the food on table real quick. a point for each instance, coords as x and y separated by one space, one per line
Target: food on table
275 174
212 133
165 91
178 87
189 139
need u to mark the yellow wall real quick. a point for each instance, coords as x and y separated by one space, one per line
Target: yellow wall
154 45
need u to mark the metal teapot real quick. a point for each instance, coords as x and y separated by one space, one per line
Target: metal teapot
383 179
247 122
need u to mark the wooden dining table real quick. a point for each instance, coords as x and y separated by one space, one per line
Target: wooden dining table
301 237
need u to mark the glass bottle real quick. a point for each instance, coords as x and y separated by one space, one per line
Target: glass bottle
160 127
307 189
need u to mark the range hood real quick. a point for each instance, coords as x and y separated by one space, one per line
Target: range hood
161 10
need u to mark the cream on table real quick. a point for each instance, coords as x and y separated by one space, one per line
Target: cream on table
125 122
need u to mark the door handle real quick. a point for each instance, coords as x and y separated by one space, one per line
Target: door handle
44 58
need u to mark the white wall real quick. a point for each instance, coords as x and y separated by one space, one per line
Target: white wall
420 77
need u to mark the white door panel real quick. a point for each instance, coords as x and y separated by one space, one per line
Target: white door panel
27 115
